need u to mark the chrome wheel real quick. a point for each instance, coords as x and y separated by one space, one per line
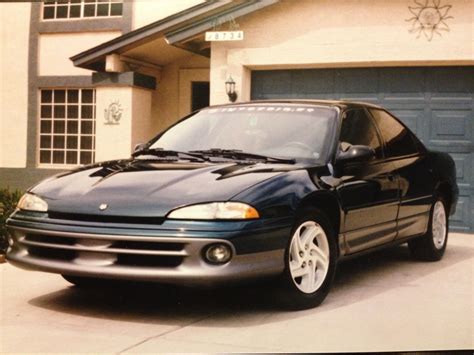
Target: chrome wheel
309 257
439 225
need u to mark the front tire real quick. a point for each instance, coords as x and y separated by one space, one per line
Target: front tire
310 262
432 245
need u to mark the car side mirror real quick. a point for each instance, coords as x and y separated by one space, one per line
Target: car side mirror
139 146
355 154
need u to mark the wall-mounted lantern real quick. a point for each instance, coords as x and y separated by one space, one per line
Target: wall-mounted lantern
230 89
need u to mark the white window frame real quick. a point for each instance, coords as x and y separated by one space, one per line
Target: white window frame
82 5
65 134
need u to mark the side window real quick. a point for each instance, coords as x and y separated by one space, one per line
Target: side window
398 140
359 129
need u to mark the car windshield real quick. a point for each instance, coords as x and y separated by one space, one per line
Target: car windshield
299 132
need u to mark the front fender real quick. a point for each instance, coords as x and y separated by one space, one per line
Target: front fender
281 195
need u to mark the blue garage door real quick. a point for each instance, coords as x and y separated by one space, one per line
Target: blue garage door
437 103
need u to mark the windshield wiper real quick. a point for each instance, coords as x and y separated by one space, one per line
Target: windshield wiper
164 153
239 154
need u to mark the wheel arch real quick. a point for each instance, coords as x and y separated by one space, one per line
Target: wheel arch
445 190
327 203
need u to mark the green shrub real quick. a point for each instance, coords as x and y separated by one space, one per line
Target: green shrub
8 201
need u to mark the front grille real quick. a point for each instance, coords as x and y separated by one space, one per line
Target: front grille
104 218
132 251
127 244
146 260
50 239
52 254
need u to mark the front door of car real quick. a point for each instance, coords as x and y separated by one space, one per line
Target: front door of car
416 178
369 193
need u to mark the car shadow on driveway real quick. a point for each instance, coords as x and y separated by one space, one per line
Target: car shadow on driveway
356 280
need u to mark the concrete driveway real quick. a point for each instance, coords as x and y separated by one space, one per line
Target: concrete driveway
384 301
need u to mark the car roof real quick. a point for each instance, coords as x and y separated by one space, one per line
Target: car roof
342 104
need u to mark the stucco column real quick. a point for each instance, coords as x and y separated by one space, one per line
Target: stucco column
227 63
123 119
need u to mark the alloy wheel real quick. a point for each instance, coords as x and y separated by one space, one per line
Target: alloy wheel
309 257
439 225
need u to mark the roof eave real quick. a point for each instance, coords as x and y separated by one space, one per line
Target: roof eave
198 27
179 26
84 58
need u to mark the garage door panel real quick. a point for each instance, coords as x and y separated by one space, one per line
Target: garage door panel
358 97
434 102
403 101
351 81
451 125
460 220
306 96
453 102
278 96
464 173
299 97
450 147
308 84
412 118
402 81
269 84
464 216
456 80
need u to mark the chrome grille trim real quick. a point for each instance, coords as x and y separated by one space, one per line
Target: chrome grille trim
110 237
190 269
22 240
130 251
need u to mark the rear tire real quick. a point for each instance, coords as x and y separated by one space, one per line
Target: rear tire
432 245
310 262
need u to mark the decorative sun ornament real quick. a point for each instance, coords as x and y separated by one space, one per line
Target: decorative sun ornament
113 113
429 17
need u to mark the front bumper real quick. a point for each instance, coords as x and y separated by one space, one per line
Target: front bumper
168 254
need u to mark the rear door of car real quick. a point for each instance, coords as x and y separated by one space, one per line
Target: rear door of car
404 150
369 194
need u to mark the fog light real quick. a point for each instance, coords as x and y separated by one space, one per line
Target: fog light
218 254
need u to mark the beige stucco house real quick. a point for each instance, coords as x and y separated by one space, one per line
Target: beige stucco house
84 81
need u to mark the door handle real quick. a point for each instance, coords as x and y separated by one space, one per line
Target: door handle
391 178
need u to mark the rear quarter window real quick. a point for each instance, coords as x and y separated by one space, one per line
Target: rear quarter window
399 141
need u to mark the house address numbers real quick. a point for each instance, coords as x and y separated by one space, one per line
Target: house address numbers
224 36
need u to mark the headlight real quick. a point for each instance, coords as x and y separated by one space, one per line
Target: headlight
216 210
30 202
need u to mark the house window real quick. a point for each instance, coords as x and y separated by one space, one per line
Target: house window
67 126
70 9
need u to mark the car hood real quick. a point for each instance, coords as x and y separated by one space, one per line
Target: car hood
150 188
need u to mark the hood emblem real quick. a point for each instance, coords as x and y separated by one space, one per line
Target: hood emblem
103 206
